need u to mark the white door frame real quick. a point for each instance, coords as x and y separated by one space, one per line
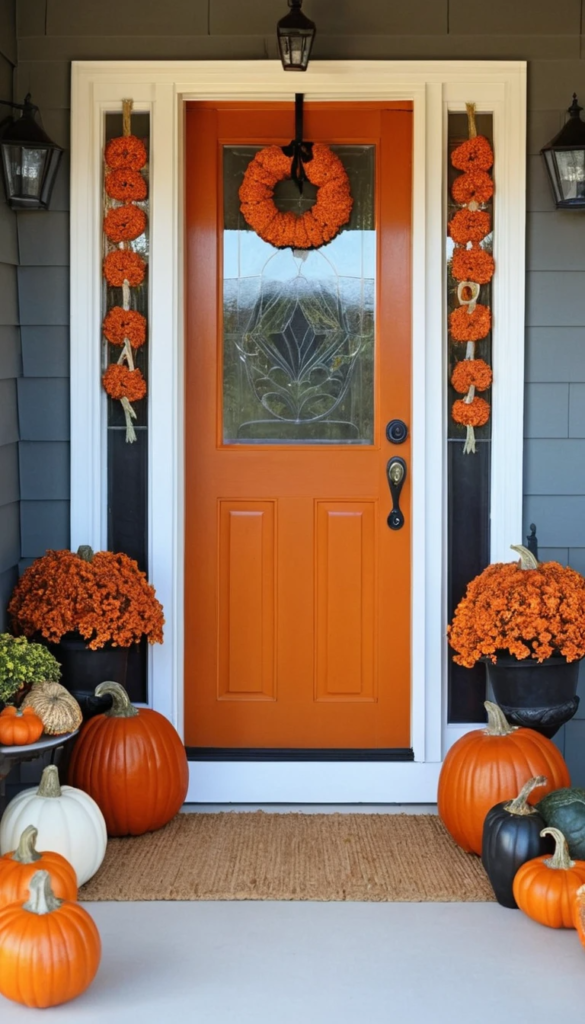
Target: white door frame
162 88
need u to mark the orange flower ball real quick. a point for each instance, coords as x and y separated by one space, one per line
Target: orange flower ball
469 226
473 154
121 382
126 184
473 264
465 326
124 223
471 372
471 414
126 151
123 265
121 324
474 187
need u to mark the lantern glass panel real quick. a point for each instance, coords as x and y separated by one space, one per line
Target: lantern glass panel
571 169
295 49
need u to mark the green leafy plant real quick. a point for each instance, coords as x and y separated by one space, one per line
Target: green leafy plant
23 662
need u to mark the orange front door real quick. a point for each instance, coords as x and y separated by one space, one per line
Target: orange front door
297 592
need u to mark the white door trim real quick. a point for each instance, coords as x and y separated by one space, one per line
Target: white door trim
435 88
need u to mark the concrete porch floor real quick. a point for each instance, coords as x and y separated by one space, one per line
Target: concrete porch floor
324 963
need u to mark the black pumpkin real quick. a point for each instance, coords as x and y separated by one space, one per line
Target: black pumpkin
565 809
511 836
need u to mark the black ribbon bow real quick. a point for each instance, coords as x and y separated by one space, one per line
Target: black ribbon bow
300 151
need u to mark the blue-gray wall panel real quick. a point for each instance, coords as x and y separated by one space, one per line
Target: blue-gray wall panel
44 470
10 361
560 519
500 17
44 524
31 16
575 750
546 410
577 410
150 17
44 295
9 536
9 475
45 351
8 31
43 407
555 299
8 294
7 583
418 17
43 239
8 237
555 354
549 466
8 412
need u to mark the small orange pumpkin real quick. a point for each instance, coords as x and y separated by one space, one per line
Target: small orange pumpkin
19 727
18 867
545 888
133 763
579 919
486 767
50 949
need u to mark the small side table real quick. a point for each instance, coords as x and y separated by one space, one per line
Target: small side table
11 756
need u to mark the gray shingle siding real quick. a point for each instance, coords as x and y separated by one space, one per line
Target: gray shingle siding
54 32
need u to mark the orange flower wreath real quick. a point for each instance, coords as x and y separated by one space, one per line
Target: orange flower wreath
471 373
465 326
126 151
316 226
126 185
121 324
473 264
469 226
124 223
473 153
473 187
121 383
124 265
471 414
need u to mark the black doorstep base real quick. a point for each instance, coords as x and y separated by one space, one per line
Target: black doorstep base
297 754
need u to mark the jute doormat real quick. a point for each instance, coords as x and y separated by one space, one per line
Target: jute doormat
258 856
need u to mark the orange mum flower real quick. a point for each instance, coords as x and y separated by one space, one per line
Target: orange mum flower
474 187
121 324
473 264
120 382
126 184
124 223
103 597
316 226
473 154
123 265
471 372
465 326
125 152
471 414
532 613
469 226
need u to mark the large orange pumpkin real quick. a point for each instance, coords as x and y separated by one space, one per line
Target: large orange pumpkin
488 766
19 727
133 763
50 949
545 888
18 867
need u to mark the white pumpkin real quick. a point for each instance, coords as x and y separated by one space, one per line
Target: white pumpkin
69 822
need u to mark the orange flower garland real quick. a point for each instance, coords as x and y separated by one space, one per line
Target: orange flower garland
122 383
121 324
473 264
124 265
471 414
474 153
126 185
126 152
106 600
470 326
124 223
469 226
474 187
471 373
316 226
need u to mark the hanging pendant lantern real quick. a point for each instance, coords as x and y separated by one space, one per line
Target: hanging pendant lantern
564 157
295 33
30 159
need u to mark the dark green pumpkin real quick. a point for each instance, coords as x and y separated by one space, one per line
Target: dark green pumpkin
511 836
565 809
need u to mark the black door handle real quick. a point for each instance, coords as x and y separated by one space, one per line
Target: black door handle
396 473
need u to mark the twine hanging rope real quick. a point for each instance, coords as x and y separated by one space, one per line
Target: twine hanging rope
127 106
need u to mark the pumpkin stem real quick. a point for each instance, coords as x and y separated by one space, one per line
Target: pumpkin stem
42 898
50 782
498 724
26 853
519 804
527 559
85 552
560 858
121 704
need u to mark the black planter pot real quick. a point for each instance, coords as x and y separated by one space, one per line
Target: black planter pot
538 696
83 670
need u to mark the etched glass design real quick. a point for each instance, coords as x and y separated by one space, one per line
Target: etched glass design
299 325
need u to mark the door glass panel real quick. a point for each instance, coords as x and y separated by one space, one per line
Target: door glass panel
299 325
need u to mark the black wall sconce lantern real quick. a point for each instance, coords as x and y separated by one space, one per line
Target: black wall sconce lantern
295 34
564 157
30 159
